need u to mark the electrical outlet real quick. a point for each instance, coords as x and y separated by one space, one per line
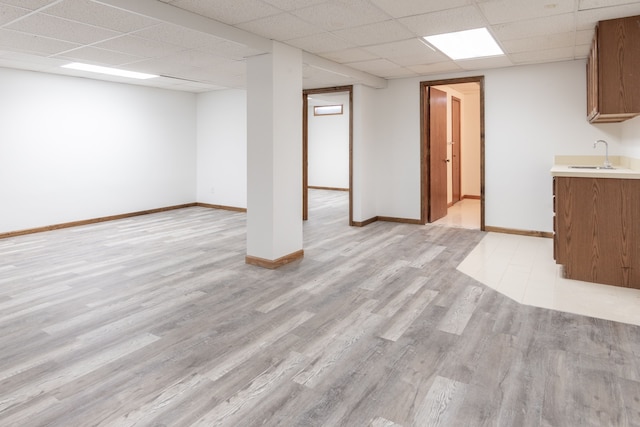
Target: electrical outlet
213 190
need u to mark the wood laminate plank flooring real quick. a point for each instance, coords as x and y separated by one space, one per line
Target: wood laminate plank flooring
157 321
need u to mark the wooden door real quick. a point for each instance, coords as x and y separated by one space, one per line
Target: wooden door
437 101
456 173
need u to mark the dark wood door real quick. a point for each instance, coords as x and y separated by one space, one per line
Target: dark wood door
456 173
437 100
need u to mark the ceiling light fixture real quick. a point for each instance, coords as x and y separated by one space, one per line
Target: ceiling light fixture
424 42
468 44
107 70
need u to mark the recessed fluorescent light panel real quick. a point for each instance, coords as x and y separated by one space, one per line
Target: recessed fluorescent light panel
108 70
467 44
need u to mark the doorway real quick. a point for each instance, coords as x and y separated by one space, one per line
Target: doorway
332 109
449 177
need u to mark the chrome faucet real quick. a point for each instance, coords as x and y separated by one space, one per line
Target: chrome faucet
607 163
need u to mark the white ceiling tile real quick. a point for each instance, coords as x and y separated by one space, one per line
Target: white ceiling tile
440 67
410 60
484 63
195 74
584 36
11 13
230 50
174 34
94 55
138 46
318 77
161 66
549 55
61 29
587 19
535 27
232 68
547 41
408 48
398 73
22 42
501 11
348 55
193 58
228 11
375 66
400 9
379 32
324 42
30 61
30 4
463 18
334 29
594 4
283 26
336 15
293 4
92 13
581 51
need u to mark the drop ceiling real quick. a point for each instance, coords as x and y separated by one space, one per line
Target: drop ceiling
202 45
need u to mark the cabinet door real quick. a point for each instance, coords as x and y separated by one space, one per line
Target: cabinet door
633 199
618 62
594 229
592 79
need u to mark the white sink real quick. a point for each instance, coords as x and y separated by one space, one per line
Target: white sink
589 167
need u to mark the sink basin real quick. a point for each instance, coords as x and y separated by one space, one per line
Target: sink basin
589 167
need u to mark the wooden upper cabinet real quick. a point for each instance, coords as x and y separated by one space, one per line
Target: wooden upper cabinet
613 71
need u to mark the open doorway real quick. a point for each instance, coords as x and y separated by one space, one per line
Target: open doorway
452 152
327 137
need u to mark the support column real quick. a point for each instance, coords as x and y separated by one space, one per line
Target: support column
274 157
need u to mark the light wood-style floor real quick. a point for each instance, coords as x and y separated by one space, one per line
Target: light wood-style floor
157 321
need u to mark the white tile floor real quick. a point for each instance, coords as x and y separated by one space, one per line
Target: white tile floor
464 214
523 269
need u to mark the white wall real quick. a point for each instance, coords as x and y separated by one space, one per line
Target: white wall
532 113
365 161
222 148
396 135
471 144
328 144
631 138
74 149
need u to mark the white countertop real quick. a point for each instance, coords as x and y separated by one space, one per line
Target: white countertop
624 168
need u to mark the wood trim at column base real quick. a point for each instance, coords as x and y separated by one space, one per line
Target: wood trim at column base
315 187
365 222
273 264
546 234
387 219
401 220
225 208
470 196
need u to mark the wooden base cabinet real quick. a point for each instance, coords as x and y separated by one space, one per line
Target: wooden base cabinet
597 229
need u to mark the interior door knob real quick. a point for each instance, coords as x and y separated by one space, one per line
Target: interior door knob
447 160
